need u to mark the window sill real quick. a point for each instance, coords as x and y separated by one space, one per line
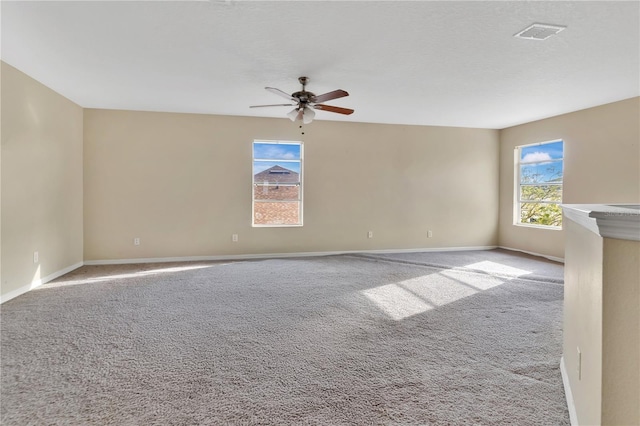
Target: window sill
276 226
546 227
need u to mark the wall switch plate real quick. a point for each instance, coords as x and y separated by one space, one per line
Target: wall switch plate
36 257
136 241
370 234
234 238
429 233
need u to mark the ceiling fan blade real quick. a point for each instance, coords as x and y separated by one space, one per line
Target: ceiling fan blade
262 106
280 93
330 95
345 111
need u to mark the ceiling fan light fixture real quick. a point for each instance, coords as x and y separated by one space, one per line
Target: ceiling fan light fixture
308 115
293 114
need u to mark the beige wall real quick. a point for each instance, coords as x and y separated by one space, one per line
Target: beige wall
582 325
41 181
621 333
182 183
602 165
1 68
601 318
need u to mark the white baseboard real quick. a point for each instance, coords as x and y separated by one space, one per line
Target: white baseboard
573 415
273 255
555 259
37 283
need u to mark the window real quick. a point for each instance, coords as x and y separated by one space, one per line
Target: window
277 183
539 173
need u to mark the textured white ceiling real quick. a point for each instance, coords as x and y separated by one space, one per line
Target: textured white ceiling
427 63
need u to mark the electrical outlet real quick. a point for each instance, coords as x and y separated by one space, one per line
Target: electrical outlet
370 234
234 238
579 364
136 241
429 233
36 257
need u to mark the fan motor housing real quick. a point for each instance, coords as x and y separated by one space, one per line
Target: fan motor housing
303 96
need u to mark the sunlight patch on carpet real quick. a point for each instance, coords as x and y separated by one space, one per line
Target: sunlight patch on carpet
104 278
477 282
497 268
396 301
414 296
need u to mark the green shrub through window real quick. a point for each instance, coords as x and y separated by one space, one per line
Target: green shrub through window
539 170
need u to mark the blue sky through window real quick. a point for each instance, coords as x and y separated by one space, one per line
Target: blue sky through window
547 151
537 165
276 151
541 173
273 152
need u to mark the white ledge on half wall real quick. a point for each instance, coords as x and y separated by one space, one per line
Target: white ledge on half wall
621 221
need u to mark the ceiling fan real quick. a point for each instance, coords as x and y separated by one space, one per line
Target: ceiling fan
306 102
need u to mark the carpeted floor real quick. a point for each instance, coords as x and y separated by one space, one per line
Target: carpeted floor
411 339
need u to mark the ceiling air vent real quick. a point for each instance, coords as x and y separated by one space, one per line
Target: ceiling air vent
539 31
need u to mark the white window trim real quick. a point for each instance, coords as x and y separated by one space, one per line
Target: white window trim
254 184
516 196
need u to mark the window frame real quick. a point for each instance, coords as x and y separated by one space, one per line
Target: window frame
518 184
254 184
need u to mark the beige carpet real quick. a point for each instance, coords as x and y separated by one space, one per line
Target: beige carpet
362 340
